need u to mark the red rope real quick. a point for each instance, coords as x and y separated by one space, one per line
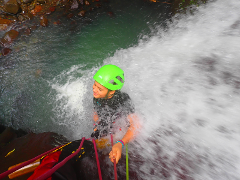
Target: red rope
50 172
115 165
98 164
26 163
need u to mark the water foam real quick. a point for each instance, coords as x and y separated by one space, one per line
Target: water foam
185 86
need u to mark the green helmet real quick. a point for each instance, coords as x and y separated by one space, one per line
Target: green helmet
110 76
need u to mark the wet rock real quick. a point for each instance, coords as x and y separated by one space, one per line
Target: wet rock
48 12
29 15
27 1
7 135
57 22
52 9
9 37
28 147
70 15
4 23
87 3
23 17
9 17
31 6
82 13
236 25
41 1
34 27
26 32
74 4
36 10
24 8
1 9
5 51
73 23
2 128
12 6
44 21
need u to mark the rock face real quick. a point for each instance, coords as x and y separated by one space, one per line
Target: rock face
5 51
37 9
4 24
12 6
44 21
9 37
6 136
27 1
26 148
82 13
31 145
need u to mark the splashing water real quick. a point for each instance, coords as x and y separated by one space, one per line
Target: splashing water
35 74
185 85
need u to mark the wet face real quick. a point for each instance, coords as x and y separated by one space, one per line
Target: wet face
100 91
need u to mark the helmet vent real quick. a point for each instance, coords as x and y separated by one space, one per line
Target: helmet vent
120 79
112 82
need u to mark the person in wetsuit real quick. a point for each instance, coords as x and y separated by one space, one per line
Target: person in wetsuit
110 105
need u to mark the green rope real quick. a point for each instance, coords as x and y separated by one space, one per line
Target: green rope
127 173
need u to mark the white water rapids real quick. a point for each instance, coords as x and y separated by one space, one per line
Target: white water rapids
185 84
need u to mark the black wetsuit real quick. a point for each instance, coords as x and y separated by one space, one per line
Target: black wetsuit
83 166
109 110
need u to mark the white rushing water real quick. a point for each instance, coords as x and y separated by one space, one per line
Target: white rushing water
185 84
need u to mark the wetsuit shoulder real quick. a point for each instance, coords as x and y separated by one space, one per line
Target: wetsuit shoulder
126 102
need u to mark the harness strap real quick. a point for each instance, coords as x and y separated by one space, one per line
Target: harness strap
98 164
26 163
55 168
115 165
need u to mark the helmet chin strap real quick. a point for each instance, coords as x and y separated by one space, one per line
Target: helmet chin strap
107 95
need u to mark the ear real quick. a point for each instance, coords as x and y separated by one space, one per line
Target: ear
111 93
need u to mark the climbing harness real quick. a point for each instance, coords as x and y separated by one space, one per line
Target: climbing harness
55 168
26 163
60 164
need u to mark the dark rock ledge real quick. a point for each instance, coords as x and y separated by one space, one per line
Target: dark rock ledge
26 145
